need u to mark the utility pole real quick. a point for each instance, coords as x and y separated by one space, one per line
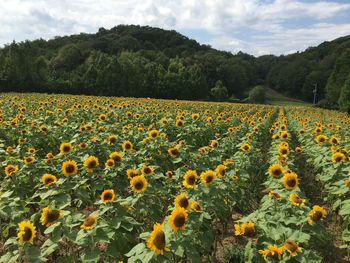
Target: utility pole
315 92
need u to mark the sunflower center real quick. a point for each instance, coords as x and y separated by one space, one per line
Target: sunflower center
179 220
209 179
112 139
70 168
277 172
49 180
27 234
147 170
317 215
183 202
291 182
89 221
127 146
291 245
66 149
108 196
191 180
138 185
92 164
52 216
159 240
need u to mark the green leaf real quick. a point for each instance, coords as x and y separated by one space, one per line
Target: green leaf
91 256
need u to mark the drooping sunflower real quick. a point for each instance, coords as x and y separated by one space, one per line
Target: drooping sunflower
275 170
48 179
132 173
146 170
220 170
153 134
292 247
245 229
11 169
89 222
190 179
91 163
50 216
116 156
108 196
296 200
182 201
69 168
272 251
138 184
208 177
338 157
26 232
127 146
195 206
173 152
290 180
177 219
156 240
316 214
245 147
65 148
275 195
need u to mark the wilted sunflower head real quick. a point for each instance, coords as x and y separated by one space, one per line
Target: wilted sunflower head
292 247
26 232
138 184
190 179
177 219
108 196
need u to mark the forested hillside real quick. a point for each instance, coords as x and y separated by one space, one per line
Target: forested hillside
151 62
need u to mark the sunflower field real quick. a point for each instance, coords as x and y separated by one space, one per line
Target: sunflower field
97 179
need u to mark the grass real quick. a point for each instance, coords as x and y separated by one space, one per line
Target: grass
275 98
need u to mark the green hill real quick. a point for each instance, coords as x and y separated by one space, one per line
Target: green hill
143 61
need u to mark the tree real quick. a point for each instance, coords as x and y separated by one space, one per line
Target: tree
257 94
219 92
344 98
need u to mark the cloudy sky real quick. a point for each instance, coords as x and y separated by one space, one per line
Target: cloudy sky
254 26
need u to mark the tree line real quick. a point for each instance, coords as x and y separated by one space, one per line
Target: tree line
137 61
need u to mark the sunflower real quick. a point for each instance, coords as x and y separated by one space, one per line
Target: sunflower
65 148
275 195
214 143
146 170
296 200
273 252
338 157
29 160
116 156
182 201
321 138
26 232
275 170
190 179
173 152
228 162
50 216
89 222
245 147
292 247
138 184
69 168
153 134
334 140
127 146
208 177
290 180
298 149
48 179
284 134
195 206
317 213
156 240
11 169
91 163
169 174
132 173
82 145
109 163
245 229
221 170
283 150
108 196
177 219
195 116
179 123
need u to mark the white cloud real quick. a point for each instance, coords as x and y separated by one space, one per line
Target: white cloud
223 19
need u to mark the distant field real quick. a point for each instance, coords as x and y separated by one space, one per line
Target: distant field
106 179
275 98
